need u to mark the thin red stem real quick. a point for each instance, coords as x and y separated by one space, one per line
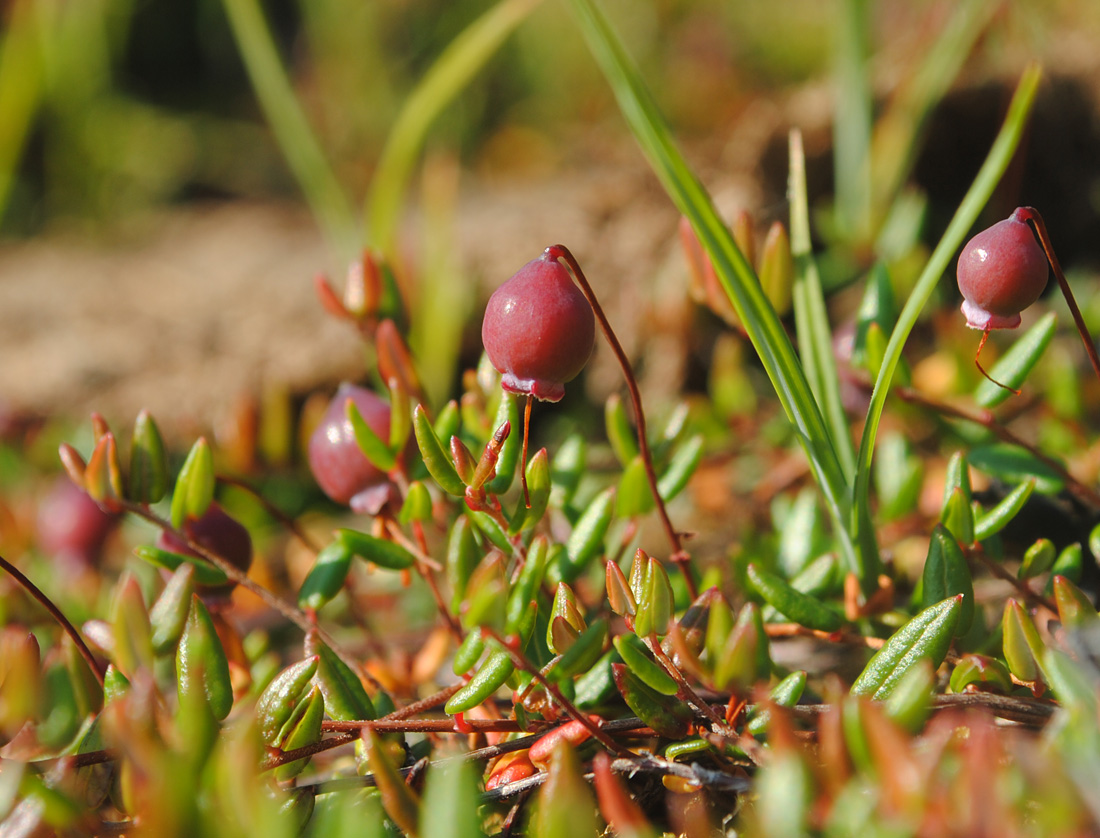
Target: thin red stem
523 463
981 369
679 555
55 612
1032 216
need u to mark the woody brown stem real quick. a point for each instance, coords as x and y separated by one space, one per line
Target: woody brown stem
679 555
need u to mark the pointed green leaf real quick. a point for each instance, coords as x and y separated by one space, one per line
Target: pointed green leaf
668 716
195 485
982 672
1012 464
450 805
958 516
463 556
792 604
565 808
947 574
205 573
997 518
327 576
1023 648
926 636
378 551
636 656
148 462
1014 366
567 469
1038 558
345 697
435 459
538 490
685 460
1075 609
488 679
633 497
133 636
373 447
277 702
620 433
201 664
586 540
305 730
417 505
169 613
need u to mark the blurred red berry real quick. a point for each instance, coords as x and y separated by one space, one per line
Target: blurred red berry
220 534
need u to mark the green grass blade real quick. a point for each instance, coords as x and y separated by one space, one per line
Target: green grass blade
852 126
815 337
299 145
1004 147
20 90
901 128
737 278
449 75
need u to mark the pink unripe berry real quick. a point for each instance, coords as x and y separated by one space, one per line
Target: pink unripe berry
337 463
71 526
539 330
220 534
1002 271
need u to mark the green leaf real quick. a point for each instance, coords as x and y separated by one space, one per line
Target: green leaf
583 654
304 729
169 613
620 433
926 636
450 805
148 463
130 627
1015 365
463 556
277 702
566 469
1075 609
1023 647
439 465
878 307
417 505
911 700
636 656
488 679
1038 558
792 604
538 489
1012 464
383 553
379 453
586 540
201 664
786 694
668 716
799 533
986 673
195 485
565 808
957 517
326 578
997 518
205 573
685 460
345 697
946 574
633 497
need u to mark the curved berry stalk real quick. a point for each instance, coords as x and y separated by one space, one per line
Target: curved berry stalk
1003 270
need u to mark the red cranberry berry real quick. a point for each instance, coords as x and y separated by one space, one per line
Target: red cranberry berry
1002 271
539 330
71 526
220 534
337 463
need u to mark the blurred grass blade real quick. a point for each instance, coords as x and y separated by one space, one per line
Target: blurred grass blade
1014 366
290 125
736 276
852 126
815 337
450 73
20 89
1004 147
900 129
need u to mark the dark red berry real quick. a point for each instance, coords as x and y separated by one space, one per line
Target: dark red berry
71 526
337 463
1002 271
220 534
538 330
